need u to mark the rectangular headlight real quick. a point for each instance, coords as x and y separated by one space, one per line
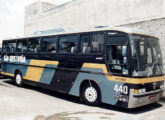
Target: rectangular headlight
138 91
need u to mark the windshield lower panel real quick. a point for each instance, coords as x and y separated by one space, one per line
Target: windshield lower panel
146 57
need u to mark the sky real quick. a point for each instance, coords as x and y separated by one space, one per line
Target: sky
12 16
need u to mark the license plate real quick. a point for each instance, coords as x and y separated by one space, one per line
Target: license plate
152 97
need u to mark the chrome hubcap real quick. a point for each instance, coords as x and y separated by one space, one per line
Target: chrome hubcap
91 94
18 79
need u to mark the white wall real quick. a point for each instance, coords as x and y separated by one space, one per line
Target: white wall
80 14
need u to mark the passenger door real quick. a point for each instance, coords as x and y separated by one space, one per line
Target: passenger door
117 54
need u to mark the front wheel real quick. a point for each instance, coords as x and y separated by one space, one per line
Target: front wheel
91 94
18 80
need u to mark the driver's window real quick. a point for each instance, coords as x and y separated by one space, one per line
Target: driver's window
117 59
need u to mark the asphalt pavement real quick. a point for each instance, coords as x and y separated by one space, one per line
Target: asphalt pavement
33 103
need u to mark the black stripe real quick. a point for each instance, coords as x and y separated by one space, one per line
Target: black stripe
65 76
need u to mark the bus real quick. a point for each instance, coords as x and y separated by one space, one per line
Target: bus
0 58
116 66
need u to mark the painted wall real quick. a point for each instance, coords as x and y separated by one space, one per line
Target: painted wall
80 14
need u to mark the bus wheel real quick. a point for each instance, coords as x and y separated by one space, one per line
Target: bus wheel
18 80
91 94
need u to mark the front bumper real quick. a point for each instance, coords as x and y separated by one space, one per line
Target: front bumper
138 100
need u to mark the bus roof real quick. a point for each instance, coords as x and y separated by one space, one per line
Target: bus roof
95 29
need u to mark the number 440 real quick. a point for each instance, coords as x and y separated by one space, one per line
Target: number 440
121 89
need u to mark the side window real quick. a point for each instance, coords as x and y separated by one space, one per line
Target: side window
92 43
34 45
68 44
11 46
21 46
97 40
85 44
49 44
4 47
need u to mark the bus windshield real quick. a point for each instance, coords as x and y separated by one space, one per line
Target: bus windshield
146 56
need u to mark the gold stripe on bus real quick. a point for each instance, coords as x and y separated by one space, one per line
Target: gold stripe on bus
35 73
123 79
9 74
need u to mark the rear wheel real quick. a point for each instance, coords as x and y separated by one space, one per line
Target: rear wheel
18 79
91 94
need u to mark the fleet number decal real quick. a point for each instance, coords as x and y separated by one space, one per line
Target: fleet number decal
121 89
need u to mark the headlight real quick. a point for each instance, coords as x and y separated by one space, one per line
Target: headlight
143 90
162 86
139 91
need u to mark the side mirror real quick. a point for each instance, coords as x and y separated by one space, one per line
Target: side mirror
124 51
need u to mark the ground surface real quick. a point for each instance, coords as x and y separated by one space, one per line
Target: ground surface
32 103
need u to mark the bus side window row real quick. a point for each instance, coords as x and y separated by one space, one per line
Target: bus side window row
90 43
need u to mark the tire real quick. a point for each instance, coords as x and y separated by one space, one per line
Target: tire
18 79
91 94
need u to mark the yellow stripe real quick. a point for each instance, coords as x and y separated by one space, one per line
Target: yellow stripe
9 74
123 79
35 73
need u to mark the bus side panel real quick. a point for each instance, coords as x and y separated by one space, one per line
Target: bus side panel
44 73
9 68
63 76
63 80
60 78
106 86
48 74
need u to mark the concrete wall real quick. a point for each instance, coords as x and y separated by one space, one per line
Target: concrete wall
46 6
88 13
32 10
36 9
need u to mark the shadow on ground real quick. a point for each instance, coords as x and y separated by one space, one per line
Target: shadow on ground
77 101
